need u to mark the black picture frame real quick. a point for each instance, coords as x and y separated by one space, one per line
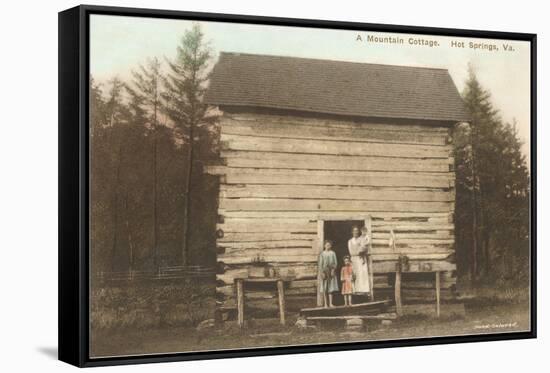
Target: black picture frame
73 184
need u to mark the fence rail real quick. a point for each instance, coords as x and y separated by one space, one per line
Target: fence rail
163 273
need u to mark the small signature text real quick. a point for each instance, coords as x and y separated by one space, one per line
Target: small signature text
505 325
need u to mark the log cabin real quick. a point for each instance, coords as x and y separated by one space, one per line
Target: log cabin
310 148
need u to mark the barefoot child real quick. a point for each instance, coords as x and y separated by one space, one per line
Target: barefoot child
346 276
327 267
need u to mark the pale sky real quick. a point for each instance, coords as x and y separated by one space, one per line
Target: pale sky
118 44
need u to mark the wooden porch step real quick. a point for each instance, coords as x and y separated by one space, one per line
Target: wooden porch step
383 316
368 308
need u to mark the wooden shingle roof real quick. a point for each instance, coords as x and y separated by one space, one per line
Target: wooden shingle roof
334 87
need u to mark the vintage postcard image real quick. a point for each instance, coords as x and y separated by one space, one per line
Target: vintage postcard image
256 185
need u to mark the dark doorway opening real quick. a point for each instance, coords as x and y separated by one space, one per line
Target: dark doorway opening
339 232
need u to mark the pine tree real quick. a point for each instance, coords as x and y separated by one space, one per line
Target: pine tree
185 85
492 213
116 117
97 107
512 206
114 107
99 188
145 103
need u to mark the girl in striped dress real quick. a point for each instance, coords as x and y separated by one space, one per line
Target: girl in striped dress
346 276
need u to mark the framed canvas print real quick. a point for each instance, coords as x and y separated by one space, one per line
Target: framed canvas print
237 186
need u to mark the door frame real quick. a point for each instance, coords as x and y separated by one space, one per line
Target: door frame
367 218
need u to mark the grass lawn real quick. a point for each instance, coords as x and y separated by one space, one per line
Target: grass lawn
482 316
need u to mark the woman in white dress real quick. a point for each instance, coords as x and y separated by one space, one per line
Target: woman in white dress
357 246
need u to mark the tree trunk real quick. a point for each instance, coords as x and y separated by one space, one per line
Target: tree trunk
115 210
130 241
488 265
155 201
482 244
474 212
187 206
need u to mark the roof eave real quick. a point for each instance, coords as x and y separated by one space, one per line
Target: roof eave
224 106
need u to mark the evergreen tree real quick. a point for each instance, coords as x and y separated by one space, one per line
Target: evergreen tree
117 116
99 188
145 103
97 107
114 107
185 85
108 119
492 212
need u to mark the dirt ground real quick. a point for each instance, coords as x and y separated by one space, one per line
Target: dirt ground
481 317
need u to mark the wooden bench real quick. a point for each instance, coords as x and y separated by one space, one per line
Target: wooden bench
279 282
437 285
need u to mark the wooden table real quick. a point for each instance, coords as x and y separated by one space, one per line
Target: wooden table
398 302
280 286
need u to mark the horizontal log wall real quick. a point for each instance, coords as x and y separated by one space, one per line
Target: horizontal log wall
280 174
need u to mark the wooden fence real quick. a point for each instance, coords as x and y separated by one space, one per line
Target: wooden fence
163 273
